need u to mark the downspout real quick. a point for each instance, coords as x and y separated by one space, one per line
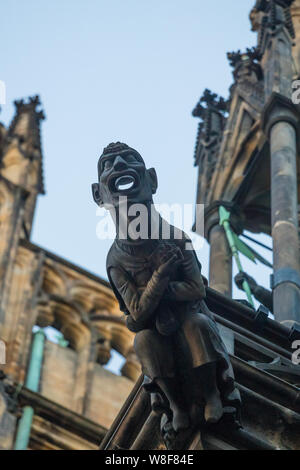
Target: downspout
32 383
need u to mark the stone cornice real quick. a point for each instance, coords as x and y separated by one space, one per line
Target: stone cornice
279 109
69 264
56 413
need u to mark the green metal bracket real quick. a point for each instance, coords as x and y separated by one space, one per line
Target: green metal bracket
231 237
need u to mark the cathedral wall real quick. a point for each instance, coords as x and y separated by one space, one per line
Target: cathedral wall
58 374
19 313
108 393
62 382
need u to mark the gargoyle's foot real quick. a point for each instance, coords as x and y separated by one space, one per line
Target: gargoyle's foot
174 440
171 390
213 411
180 420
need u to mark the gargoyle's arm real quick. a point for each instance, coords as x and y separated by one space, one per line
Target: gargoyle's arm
192 286
140 305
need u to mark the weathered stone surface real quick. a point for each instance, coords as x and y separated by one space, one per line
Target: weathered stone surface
108 393
39 288
7 422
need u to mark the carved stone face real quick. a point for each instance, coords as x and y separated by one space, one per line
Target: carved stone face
123 174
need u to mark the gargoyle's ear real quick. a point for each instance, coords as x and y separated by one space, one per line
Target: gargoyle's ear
96 194
153 179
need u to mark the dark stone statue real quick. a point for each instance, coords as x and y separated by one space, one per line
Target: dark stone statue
159 286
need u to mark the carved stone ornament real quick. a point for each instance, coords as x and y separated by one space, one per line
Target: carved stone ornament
158 283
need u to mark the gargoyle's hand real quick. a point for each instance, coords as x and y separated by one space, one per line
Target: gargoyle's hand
241 277
169 262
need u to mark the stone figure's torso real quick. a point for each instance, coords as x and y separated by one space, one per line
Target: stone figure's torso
138 263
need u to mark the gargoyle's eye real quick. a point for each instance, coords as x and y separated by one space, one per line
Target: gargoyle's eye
107 164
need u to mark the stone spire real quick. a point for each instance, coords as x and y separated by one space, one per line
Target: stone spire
271 14
246 65
273 22
25 131
21 160
295 14
211 109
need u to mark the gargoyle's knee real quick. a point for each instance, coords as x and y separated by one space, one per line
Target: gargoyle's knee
198 320
144 339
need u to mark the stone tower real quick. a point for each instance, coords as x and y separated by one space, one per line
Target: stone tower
76 398
247 153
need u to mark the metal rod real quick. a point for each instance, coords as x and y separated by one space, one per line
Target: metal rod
257 242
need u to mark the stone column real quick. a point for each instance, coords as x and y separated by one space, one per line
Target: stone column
220 261
281 120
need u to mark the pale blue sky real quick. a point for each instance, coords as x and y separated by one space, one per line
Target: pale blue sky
129 70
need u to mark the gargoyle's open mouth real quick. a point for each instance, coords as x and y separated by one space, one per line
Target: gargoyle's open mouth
124 182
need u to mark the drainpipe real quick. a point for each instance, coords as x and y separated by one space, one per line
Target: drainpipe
32 383
281 124
286 285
